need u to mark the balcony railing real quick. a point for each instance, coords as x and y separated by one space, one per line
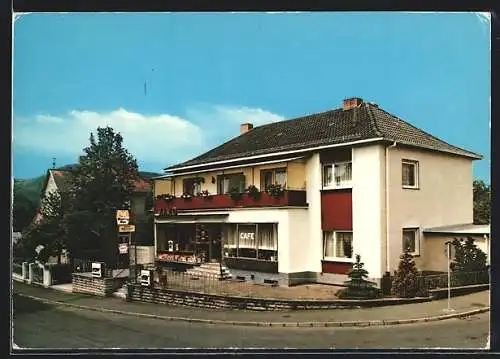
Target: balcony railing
166 207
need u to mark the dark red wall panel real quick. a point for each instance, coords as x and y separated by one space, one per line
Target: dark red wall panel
335 267
336 210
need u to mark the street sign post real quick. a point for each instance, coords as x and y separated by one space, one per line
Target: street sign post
448 251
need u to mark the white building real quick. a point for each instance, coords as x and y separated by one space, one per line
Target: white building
355 180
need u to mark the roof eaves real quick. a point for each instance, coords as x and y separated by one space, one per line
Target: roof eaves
459 151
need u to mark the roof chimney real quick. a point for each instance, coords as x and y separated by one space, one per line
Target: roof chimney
350 103
245 127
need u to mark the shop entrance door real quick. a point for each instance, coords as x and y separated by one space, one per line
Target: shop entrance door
215 243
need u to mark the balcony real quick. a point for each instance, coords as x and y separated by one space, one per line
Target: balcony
224 201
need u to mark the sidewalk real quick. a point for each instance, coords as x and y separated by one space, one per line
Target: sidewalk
398 314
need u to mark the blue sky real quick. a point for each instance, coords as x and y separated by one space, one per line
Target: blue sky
207 73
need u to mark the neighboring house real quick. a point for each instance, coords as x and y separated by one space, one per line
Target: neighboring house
356 180
56 180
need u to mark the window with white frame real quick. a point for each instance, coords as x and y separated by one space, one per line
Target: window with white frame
337 175
337 245
410 174
411 240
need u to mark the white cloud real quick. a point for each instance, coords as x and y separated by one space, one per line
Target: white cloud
154 138
162 139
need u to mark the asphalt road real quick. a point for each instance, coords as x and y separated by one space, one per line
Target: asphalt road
38 325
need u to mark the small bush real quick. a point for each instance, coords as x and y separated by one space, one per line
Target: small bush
407 281
358 287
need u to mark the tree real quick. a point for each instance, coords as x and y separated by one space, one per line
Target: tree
50 231
405 283
101 183
469 262
482 200
358 287
24 210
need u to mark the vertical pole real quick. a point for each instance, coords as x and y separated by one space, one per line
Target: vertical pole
135 258
449 275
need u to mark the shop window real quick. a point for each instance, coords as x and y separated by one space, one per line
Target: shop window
337 245
252 241
229 181
273 176
267 247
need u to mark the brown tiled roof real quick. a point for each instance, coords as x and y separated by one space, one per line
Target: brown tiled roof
364 122
60 177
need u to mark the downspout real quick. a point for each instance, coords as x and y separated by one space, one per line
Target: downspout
387 222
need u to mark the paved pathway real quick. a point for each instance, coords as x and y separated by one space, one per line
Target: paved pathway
464 303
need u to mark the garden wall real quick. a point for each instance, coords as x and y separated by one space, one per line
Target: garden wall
139 293
85 283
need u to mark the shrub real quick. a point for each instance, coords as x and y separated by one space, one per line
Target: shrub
469 262
406 283
358 287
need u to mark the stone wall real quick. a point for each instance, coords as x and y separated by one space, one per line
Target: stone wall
85 283
139 293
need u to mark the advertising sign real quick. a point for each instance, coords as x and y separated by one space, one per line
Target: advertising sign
123 248
125 228
122 216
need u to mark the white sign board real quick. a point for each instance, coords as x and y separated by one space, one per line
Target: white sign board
122 216
123 248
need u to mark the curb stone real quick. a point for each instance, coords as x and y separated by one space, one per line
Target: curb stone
367 323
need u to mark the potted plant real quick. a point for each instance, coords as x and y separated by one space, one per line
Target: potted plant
186 196
235 193
253 192
275 190
166 197
205 194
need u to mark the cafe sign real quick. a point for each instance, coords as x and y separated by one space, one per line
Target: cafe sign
122 216
247 235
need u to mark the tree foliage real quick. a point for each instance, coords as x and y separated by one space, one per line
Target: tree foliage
24 210
101 183
482 201
406 279
81 217
468 257
358 286
49 231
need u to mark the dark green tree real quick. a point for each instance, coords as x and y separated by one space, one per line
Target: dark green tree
482 200
49 231
469 265
358 286
101 183
406 279
23 211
